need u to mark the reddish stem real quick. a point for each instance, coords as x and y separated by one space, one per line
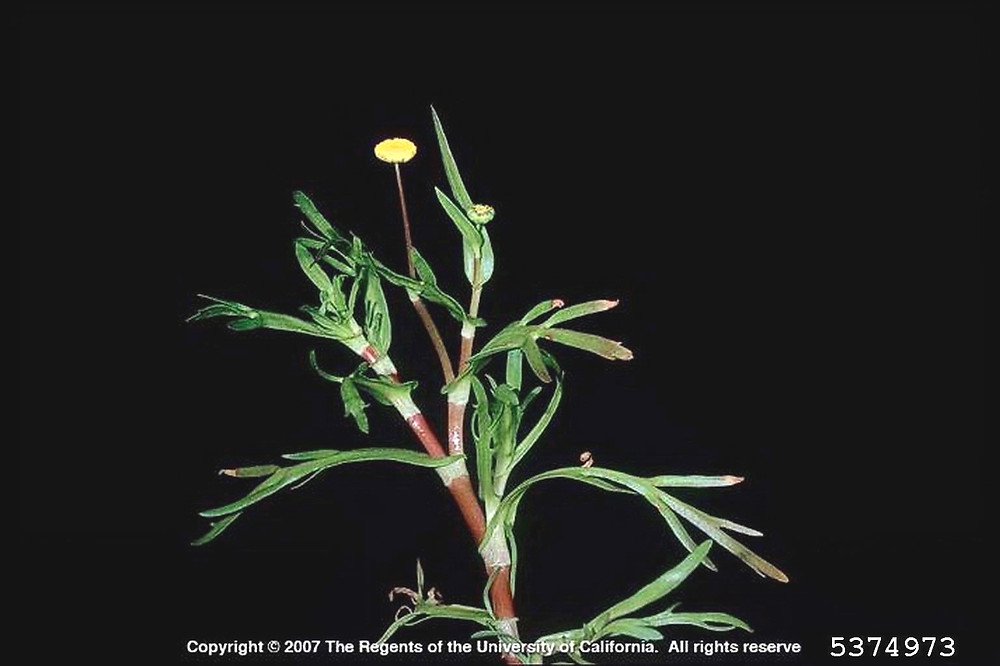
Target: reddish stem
406 222
465 497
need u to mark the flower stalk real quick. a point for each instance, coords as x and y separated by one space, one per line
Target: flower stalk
396 152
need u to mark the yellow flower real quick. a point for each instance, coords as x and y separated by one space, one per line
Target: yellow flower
395 151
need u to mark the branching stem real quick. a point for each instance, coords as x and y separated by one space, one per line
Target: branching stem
464 495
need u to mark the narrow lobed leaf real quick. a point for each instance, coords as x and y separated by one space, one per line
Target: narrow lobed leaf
709 621
450 167
595 344
579 310
354 406
470 234
694 481
315 217
378 325
253 471
633 628
316 454
535 361
540 309
660 587
711 527
217 528
286 476
513 377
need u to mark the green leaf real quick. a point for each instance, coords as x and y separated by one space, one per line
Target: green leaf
423 269
426 611
286 476
711 527
506 395
513 378
430 292
534 357
486 590
512 548
321 252
540 309
710 621
515 335
509 338
677 527
543 422
254 471
579 310
488 259
222 308
659 588
248 319
354 406
482 427
378 326
217 528
315 454
631 627
694 481
320 371
312 214
450 167
472 237
609 349
667 505
383 390
315 273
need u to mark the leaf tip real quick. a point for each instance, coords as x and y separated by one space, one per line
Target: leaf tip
731 480
227 472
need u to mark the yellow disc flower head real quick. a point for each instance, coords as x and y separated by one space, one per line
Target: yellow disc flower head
395 151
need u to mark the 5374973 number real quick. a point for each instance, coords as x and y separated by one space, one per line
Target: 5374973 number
894 646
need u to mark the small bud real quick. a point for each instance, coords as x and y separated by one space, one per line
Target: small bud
480 213
586 459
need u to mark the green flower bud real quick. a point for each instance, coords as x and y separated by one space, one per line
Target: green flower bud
480 213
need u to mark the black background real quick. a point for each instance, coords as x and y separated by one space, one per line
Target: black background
788 203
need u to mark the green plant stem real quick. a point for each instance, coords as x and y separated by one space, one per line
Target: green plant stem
469 334
418 303
458 398
500 592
